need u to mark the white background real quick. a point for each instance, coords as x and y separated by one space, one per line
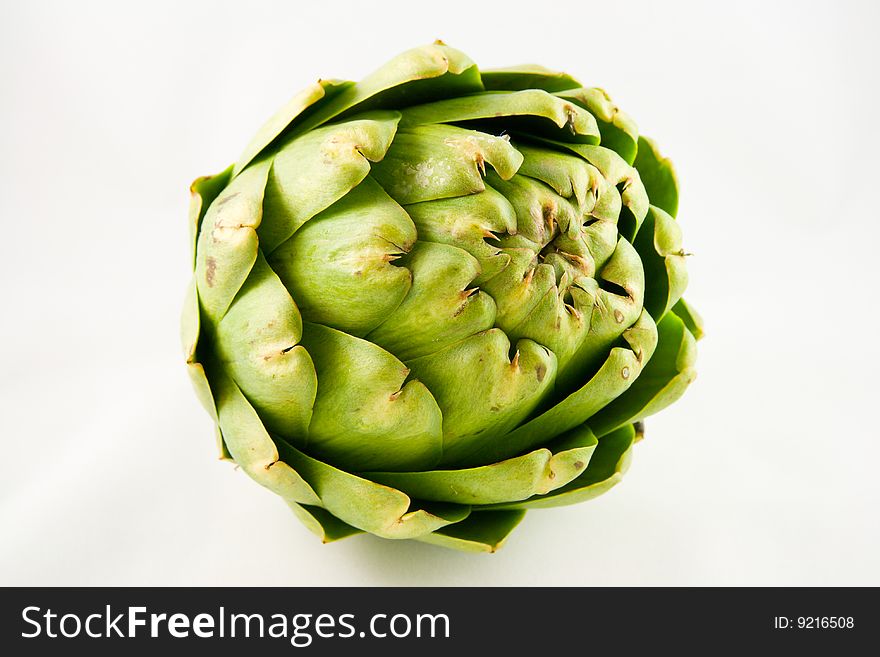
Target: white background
766 472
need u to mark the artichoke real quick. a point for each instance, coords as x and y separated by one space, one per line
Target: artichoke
428 301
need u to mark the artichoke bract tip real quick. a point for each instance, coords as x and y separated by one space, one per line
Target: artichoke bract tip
429 301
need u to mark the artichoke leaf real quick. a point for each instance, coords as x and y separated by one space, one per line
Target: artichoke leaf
222 450
615 170
619 132
532 110
250 445
269 366
663 258
569 176
664 379
519 287
307 99
441 307
322 523
203 191
416 76
420 74
527 76
690 317
368 506
633 197
499 391
340 267
617 305
609 463
189 333
227 243
467 222
583 255
619 371
541 213
518 478
658 176
561 319
368 415
432 162
312 172
608 204
479 532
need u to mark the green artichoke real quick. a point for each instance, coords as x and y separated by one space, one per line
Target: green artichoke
428 301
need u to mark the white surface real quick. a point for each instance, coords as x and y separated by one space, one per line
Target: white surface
765 473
